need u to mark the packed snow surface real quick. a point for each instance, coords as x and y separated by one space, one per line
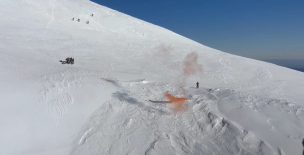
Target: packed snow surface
111 101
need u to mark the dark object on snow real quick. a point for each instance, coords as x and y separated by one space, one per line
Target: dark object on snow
92 14
303 145
160 102
78 20
197 85
303 142
88 22
68 61
73 19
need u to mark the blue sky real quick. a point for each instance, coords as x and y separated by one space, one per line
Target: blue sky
261 29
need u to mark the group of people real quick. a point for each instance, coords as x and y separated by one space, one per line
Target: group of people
78 19
68 60
73 19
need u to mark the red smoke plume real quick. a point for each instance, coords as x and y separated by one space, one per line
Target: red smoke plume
179 104
191 65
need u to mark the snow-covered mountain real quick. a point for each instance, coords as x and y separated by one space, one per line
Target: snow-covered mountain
111 101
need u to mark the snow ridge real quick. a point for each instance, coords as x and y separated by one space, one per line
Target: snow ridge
199 130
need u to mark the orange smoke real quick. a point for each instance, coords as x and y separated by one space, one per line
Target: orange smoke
191 65
178 103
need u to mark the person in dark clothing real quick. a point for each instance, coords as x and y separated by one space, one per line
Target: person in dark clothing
197 84
303 145
68 60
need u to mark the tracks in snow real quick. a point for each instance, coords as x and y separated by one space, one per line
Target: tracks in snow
56 93
52 12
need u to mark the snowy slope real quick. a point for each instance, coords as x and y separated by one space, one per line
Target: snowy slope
112 100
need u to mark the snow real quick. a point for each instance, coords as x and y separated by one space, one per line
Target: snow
111 101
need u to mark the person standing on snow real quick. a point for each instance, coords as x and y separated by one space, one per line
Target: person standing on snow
303 145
